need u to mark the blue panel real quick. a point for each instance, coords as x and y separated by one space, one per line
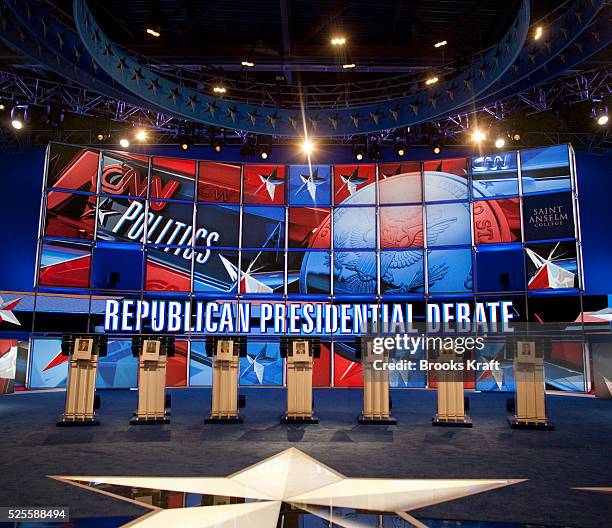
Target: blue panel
118 369
263 364
45 353
545 169
450 271
449 224
200 365
310 185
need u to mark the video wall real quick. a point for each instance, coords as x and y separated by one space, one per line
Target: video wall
119 222
116 224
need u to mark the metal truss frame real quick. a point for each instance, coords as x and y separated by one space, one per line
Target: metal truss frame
17 87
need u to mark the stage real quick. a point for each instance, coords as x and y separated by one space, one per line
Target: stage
576 454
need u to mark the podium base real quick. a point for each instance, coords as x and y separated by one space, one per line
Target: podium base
362 420
534 426
286 419
77 422
438 421
224 420
143 420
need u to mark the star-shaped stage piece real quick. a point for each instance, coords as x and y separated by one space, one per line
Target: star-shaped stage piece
292 478
271 181
311 181
353 180
6 311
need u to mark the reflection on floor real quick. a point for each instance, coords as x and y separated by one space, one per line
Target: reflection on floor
289 487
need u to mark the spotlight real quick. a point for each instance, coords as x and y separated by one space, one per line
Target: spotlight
338 41
307 147
2 107
400 145
124 142
478 136
601 115
102 135
20 115
440 44
219 88
153 32
500 142
539 31
185 142
141 134
515 135
437 148
265 147
431 80
359 148
348 66
264 155
247 63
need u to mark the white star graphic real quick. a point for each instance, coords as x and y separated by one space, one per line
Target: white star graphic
294 478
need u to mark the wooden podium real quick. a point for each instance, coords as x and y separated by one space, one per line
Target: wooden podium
300 355
530 404
153 405
376 400
226 367
451 398
81 401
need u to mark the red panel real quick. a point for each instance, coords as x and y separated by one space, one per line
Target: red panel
261 182
176 370
347 373
346 175
164 278
321 369
401 226
219 182
309 227
497 221
74 273
70 215
79 174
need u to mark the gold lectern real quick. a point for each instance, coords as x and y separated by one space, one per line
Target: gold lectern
451 398
153 405
226 368
81 400
300 353
529 405
376 399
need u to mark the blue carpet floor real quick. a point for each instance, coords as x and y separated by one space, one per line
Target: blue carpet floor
578 453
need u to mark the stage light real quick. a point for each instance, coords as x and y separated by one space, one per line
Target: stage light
55 117
338 41
401 151
19 116
431 80
219 88
500 142
217 146
478 136
141 134
359 156
348 66
539 31
124 142
601 115
436 149
264 155
440 44
153 32
248 64
185 142
307 147
2 107
515 135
